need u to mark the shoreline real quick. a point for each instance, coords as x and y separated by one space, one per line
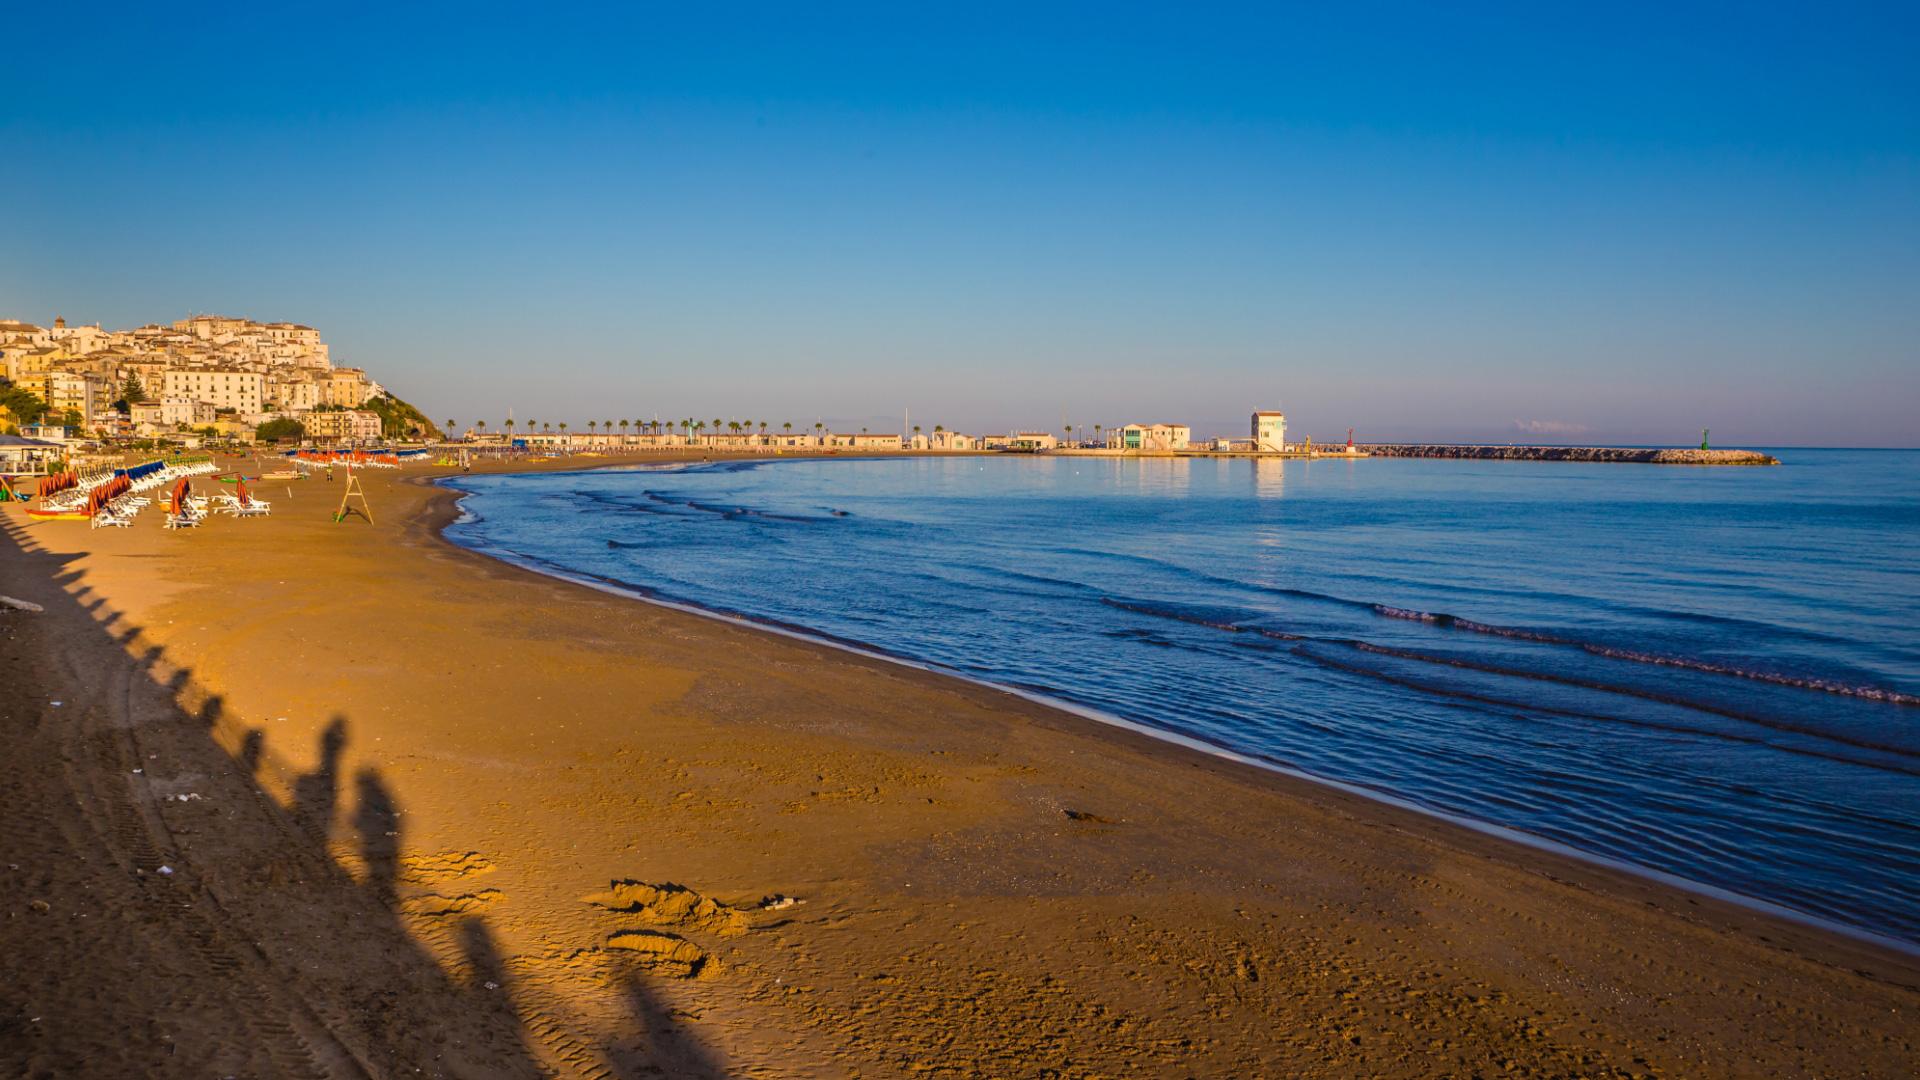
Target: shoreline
1503 833
458 750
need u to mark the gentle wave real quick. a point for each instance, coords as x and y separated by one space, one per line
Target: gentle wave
1227 623
1801 682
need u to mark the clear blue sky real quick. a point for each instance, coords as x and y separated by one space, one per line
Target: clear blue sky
1614 225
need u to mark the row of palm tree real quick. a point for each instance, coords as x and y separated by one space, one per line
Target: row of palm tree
688 425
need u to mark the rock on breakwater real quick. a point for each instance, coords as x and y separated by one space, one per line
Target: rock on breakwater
1636 455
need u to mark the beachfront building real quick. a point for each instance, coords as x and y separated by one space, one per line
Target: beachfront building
170 412
1025 441
1150 437
951 440
58 434
20 454
344 425
865 441
1270 432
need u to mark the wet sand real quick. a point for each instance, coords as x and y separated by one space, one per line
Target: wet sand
392 784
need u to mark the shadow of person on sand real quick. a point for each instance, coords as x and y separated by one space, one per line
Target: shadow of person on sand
377 820
669 1045
488 986
316 793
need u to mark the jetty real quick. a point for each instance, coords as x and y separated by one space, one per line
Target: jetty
1632 455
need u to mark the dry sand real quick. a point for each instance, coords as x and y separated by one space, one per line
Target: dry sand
285 797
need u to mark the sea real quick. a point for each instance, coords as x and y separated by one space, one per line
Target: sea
1708 674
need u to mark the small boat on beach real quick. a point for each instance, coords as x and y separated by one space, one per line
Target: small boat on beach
69 513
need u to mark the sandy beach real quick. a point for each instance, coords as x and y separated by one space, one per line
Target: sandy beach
287 797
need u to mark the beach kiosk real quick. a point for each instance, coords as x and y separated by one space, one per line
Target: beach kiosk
20 455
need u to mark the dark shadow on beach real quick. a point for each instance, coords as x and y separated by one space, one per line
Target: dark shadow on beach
211 931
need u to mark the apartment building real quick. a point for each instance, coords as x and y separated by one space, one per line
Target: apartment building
88 395
297 395
170 412
223 388
348 388
349 425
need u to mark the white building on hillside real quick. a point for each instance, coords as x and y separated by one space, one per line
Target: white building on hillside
223 388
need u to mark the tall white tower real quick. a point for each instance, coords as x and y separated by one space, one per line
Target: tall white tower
1270 432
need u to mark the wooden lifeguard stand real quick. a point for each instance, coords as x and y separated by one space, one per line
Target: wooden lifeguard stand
354 491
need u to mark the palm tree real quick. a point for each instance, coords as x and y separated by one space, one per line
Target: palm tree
591 428
480 426
563 428
449 429
509 430
938 428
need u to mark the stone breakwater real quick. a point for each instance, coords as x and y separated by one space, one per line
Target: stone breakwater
1643 456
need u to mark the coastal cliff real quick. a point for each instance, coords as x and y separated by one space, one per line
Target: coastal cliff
1643 456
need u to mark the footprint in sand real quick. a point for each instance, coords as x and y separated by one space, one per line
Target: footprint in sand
663 954
667 904
435 907
445 866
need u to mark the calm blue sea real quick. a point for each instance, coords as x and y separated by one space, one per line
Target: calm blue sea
1709 672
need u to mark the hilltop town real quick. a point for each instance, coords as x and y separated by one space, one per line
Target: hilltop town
202 376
